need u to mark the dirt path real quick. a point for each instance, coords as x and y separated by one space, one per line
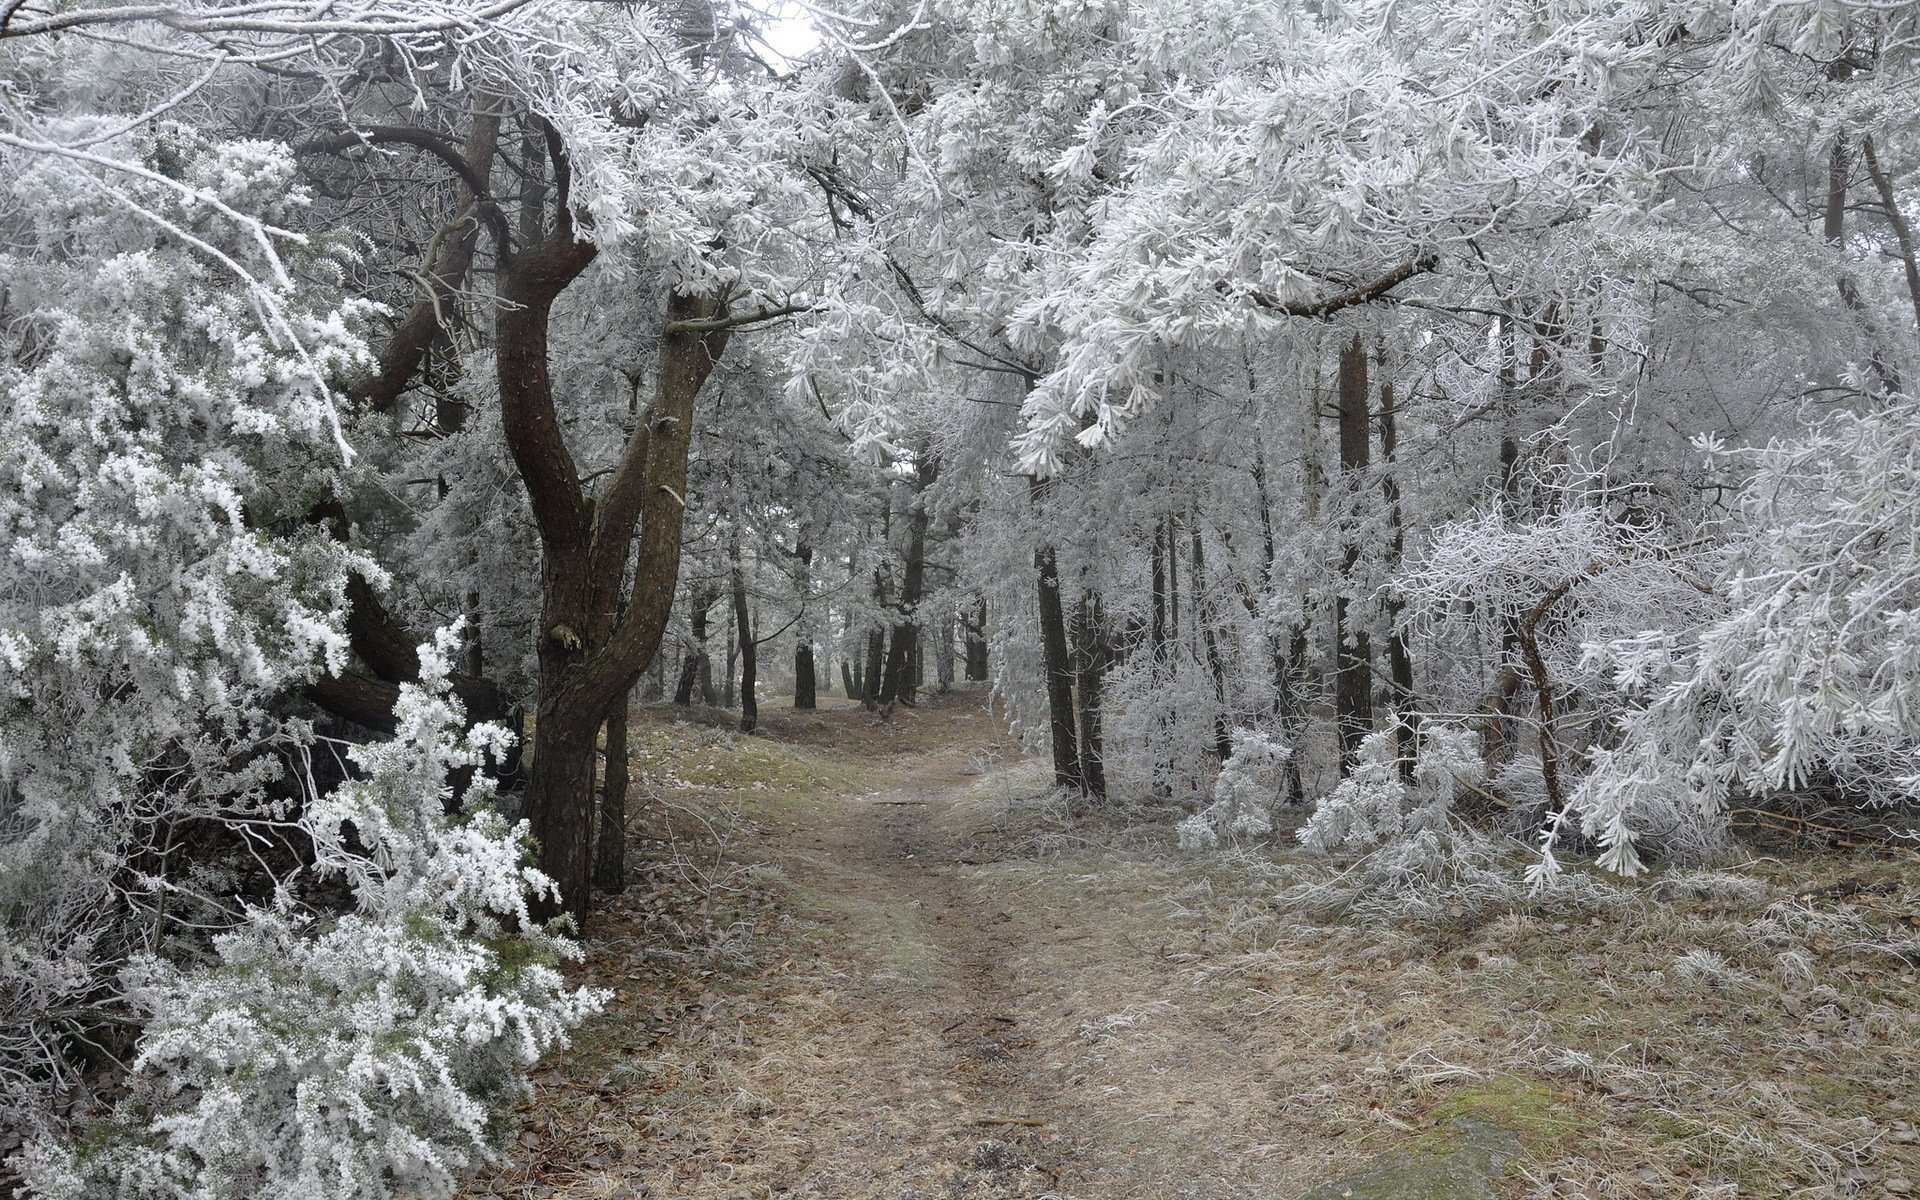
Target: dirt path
866 959
977 1034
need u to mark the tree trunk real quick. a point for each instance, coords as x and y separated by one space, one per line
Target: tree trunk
1353 680
876 658
1896 220
1210 645
978 664
943 658
850 677
694 668
1091 658
1059 668
900 680
654 687
1399 655
805 683
595 642
610 854
749 652
733 653
1833 227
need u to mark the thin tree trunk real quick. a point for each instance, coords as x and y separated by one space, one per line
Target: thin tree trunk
749 652
1059 669
695 668
943 657
1896 219
875 660
1833 227
1353 679
1210 644
1399 655
733 656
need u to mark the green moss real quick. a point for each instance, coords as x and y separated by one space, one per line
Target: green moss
1458 1161
1542 1118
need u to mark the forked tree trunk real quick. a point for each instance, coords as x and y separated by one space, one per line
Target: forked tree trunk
594 641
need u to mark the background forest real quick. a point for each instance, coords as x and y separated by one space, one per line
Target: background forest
1455 420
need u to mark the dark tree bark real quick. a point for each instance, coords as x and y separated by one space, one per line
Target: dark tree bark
1896 220
1092 656
875 661
732 658
1157 622
1399 654
1353 680
1059 668
1833 228
610 851
850 678
1210 645
590 651
390 654
749 651
978 663
943 658
695 667
805 682
899 680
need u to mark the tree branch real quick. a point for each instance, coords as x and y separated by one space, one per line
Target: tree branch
724 323
1365 294
403 135
407 346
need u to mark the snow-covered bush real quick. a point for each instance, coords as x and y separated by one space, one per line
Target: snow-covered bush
213 980
1374 805
1244 794
1807 674
358 1054
159 588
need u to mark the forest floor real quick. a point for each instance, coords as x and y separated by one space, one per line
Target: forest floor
875 958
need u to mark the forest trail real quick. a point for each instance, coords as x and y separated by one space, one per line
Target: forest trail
946 1000
866 958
